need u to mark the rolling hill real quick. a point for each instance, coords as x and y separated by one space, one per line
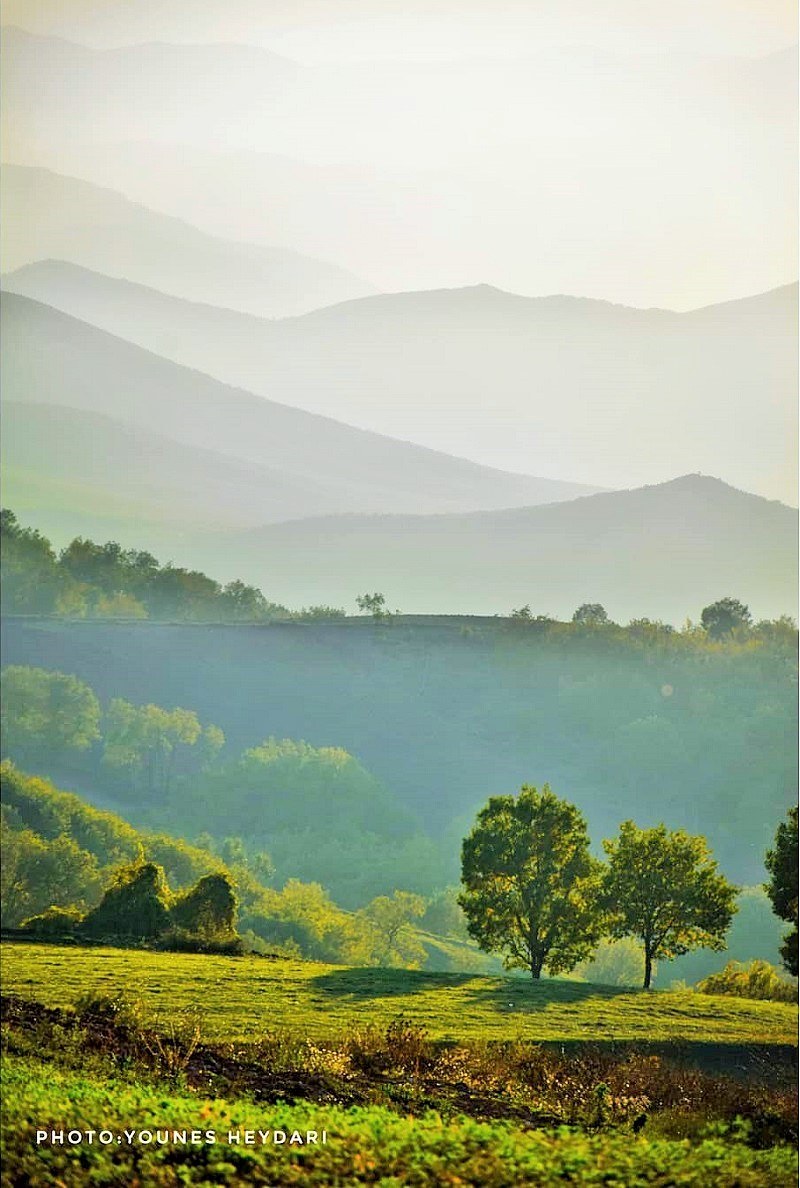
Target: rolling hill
46 214
662 551
553 385
100 435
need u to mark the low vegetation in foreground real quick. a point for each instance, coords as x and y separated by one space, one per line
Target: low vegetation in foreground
396 1107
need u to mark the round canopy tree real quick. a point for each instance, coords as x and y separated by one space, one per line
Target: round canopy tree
531 888
664 888
721 618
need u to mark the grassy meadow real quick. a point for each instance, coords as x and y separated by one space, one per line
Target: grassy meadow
242 997
417 1079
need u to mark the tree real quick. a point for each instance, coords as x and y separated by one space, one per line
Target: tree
50 711
375 605
37 874
146 739
135 906
531 888
590 614
665 889
723 617
392 918
208 910
781 862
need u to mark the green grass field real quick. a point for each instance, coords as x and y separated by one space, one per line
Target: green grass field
241 998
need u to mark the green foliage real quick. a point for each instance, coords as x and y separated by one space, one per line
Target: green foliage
614 963
367 1144
392 917
136 906
444 914
107 581
37 874
208 909
530 885
54 923
758 980
754 934
375 605
590 614
148 740
664 888
722 618
104 840
302 918
46 711
782 864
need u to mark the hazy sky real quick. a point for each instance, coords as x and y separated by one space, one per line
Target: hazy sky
629 150
346 30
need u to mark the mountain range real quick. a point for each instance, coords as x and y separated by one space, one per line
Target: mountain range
662 552
101 436
48 215
553 385
440 173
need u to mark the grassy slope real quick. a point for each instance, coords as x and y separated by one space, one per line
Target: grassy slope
240 998
371 1145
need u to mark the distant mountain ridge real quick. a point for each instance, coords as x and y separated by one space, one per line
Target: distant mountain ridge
662 551
93 421
49 215
547 384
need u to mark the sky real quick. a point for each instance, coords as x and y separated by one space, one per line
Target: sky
630 151
351 30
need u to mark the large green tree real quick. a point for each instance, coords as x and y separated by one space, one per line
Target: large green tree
665 889
781 862
531 888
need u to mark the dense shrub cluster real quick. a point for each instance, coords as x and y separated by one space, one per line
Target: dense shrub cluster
756 979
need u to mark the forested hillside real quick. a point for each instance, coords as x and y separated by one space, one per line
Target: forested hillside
641 722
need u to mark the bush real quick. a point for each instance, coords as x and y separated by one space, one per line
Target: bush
53 923
758 979
178 940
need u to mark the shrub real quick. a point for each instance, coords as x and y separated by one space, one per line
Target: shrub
135 905
758 979
53 923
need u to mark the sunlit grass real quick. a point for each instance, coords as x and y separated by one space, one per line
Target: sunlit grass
240 998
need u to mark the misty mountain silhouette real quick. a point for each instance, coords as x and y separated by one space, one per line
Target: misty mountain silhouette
175 446
662 551
48 215
550 385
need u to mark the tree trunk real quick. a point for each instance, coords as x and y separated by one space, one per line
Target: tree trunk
648 968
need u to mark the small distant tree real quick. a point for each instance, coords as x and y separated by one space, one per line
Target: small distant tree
590 614
781 862
531 888
392 918
615 963
208 909
375 605
135 906
664 888
723 617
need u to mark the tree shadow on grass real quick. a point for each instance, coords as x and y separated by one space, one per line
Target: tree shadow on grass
474 990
